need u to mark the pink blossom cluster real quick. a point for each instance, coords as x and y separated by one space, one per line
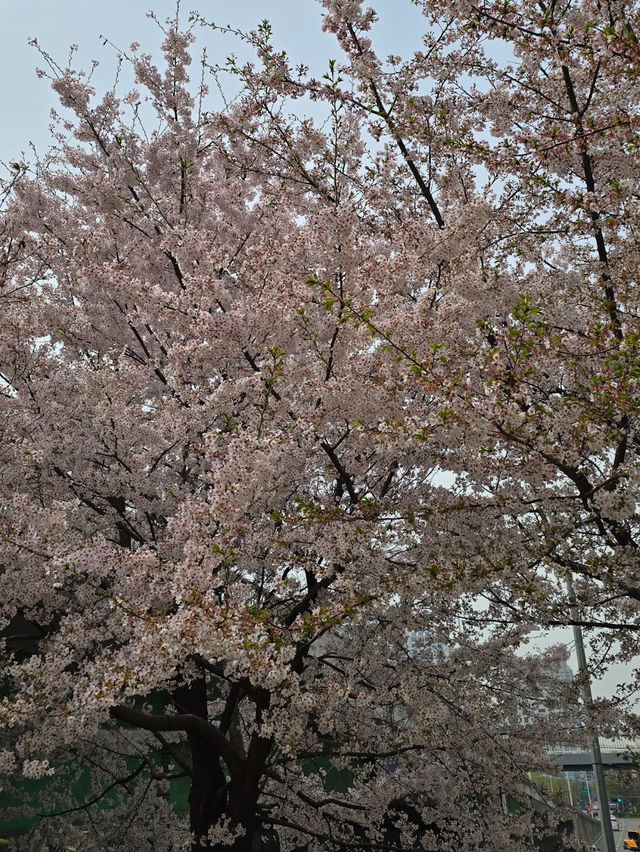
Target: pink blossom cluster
279 394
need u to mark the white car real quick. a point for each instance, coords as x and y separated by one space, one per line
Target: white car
615 825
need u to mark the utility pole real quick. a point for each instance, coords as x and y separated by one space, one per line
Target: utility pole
603 800
566 778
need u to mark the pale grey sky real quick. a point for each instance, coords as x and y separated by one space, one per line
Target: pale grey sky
25 101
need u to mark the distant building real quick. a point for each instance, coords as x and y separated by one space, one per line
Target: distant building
422 644
536 706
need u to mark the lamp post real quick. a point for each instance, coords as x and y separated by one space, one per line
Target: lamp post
603 801
566 778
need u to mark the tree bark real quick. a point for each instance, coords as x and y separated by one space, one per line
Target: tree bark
244 789
214 794
208 795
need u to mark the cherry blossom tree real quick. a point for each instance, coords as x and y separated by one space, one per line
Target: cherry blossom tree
307 423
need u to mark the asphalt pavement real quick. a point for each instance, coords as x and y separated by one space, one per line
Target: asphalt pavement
626 823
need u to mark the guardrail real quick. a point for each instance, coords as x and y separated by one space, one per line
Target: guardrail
620 745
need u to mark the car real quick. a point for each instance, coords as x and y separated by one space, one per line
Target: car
615 825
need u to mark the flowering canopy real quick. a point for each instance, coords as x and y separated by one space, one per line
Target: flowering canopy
289 403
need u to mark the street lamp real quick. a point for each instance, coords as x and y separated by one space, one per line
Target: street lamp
603 800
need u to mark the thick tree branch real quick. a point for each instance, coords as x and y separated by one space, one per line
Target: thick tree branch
345 478
182 722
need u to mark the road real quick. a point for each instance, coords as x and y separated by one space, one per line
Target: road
625 823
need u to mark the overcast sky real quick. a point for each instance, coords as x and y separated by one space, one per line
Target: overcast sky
25 100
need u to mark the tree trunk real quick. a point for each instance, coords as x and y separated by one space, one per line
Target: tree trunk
244 789
208 794
213 796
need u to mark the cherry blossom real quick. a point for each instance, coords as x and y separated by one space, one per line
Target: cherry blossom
295 393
